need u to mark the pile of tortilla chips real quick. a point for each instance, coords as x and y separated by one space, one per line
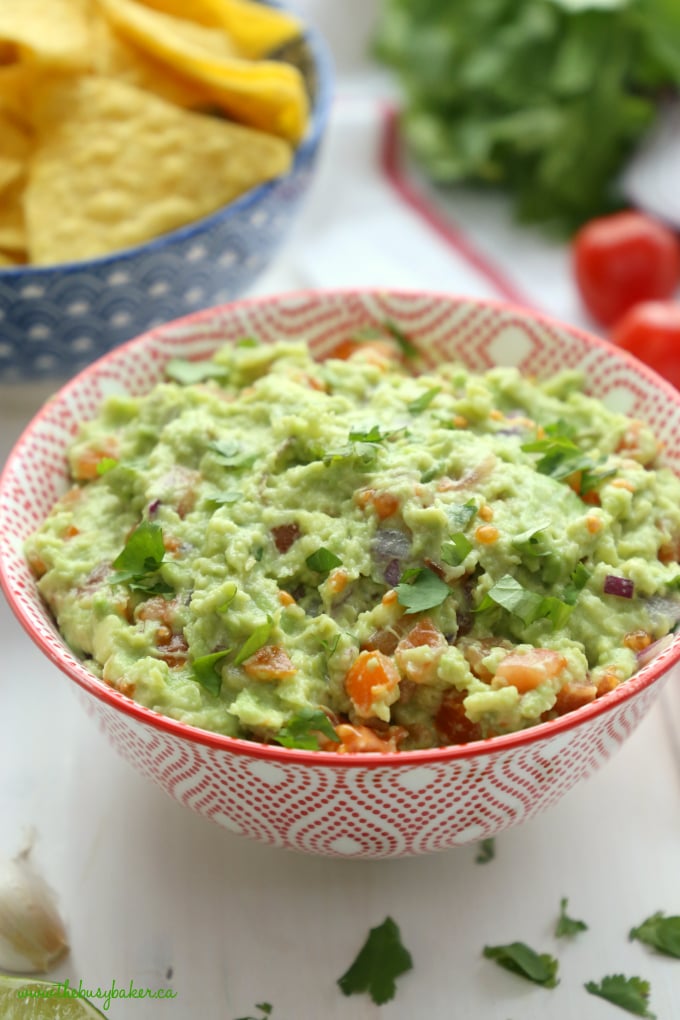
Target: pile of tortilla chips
123 119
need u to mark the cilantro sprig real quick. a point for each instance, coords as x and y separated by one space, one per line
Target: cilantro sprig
205 672
421 589
141 558
517 957
561 458
322 560
302 730
509 594
630 993
382 959
660 932
566 925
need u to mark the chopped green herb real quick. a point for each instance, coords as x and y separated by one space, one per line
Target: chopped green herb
230 595
567 925
323 560
577 582
426 591
257 639
204 671
331 649
561 458
460 514
215 502
631 993
422 402
248 341
232 455
456 549
106 464
381 960
661 932
362 455
189 372
142 555
301 731
486 851
406 345
265 1008
521 959
432 473
530 543
528 605
372 435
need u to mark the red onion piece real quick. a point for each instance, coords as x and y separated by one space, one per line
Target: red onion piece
621 586
646 655
392 573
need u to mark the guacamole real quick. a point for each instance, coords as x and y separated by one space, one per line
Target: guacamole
349 556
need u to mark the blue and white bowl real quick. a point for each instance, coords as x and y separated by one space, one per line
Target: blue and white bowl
54 320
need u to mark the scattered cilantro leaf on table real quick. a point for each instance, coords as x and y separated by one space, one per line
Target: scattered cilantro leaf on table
630 993
567 925
661 932
380 961
486 851
265 1008
517 957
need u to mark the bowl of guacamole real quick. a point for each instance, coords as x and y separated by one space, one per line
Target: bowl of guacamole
419 551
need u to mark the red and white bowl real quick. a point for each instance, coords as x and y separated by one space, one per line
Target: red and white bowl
351 805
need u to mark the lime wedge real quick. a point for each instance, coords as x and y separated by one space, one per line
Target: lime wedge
26 999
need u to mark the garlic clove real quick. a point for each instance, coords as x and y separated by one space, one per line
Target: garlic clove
32 935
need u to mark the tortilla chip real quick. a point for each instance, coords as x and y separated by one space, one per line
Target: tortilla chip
114 166
268 95
255 28
13 237
16 86
15 147
52 32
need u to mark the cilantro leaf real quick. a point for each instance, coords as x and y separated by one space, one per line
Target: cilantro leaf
577 582
528 605
105 465
372 435
232 455
381 960
204 671
426 591
567 925
460 515
630 993
301 731
141 556
521 959
456 549
661 932
486 851
265 1008
189 372
257 639
422 402
406 345
323 560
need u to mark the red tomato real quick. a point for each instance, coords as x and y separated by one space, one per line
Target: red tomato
651 331
622 259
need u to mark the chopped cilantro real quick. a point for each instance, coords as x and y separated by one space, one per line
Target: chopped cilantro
106 464
406 345
567 925
381 960
301 731
215 502
188 372
577 582
486 851
460 514
521 959
528 605
561 458
362 455
432 472
140 558
249 341
661 932
204 671
422 402
372 435
323 560
257 639
232 455
426 591
456 549
265 1009
631 993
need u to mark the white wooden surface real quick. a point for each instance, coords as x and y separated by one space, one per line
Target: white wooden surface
149 890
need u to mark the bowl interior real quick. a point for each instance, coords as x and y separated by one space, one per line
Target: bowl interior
479 334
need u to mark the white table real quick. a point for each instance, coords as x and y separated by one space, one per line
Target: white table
159 897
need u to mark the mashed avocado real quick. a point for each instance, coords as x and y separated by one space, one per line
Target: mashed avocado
344 555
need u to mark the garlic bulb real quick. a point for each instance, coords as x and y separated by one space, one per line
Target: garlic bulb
32 934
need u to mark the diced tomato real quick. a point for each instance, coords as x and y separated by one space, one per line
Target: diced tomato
527 670
354 739
371 675
572 696
271 662
451 722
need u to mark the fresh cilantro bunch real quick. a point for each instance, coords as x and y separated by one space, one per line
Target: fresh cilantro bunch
545 98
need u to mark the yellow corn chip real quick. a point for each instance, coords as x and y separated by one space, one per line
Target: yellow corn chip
14 151
256 29
114 166
267 94
52 32
12 224
16 85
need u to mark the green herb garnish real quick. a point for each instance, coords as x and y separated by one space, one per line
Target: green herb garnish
189 372
257 639
661 932
528 605
106 464
422 402
456 549
630 993
381 960
406 345
232 455
301 731
567 925
521 959
372 435
460 514
140 559
425 591
204 671
265 1009
486 851
323 560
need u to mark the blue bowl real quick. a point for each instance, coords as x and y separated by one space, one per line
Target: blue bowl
54 320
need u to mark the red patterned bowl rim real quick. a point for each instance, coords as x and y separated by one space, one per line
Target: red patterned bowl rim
648 675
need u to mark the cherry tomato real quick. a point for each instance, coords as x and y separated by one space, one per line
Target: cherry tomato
622 259
651 331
